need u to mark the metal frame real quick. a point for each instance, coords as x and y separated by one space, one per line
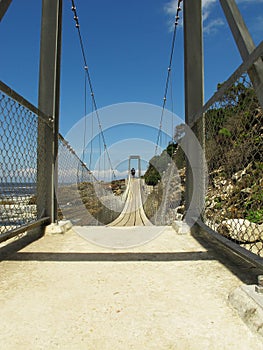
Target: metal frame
4 4
194 96
200 227
139 164
49 92
244 43
254 56
48 102
22 101
15 232
193 63
14 95
251 57
230 248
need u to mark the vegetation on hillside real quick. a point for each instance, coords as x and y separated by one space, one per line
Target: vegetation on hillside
233 135
233 149
160 163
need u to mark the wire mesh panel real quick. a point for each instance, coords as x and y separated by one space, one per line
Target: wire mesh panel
81 197
234 148
18 164
164 200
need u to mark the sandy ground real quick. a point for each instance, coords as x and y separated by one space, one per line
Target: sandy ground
62 292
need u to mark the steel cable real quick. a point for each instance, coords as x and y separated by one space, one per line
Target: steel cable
76 19
168 74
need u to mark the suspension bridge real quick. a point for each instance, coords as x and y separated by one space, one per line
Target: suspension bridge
169 257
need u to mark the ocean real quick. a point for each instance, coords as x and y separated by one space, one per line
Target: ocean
17 189
15 206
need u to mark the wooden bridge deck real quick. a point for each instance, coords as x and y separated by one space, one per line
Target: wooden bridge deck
133 213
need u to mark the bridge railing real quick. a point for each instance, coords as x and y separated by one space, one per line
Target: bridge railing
18 163
81 197
234 154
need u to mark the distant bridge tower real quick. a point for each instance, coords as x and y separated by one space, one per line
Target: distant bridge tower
139 165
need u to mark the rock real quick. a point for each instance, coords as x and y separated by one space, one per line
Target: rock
238 175
229 189
180 209
181 227
220 170
241 230
178 217
246 190
58 228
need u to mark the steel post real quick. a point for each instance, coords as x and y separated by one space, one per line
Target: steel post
193 75
48 102
4 4
244 43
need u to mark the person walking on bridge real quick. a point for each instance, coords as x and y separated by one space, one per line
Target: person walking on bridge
133 172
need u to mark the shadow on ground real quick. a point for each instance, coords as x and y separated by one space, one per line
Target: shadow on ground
111 257
244 270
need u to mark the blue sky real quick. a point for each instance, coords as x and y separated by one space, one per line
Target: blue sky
127 46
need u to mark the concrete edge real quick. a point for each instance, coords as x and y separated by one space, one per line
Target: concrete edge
61 227
249 305
227 245
181 228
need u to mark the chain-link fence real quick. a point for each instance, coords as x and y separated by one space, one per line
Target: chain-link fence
18 157
164 203
234 155
172 206
81 197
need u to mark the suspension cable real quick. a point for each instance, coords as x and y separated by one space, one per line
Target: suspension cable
100 154
76 19
85 120
92 131
172 108
168 73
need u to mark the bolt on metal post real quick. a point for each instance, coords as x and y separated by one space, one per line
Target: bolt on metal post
259 286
